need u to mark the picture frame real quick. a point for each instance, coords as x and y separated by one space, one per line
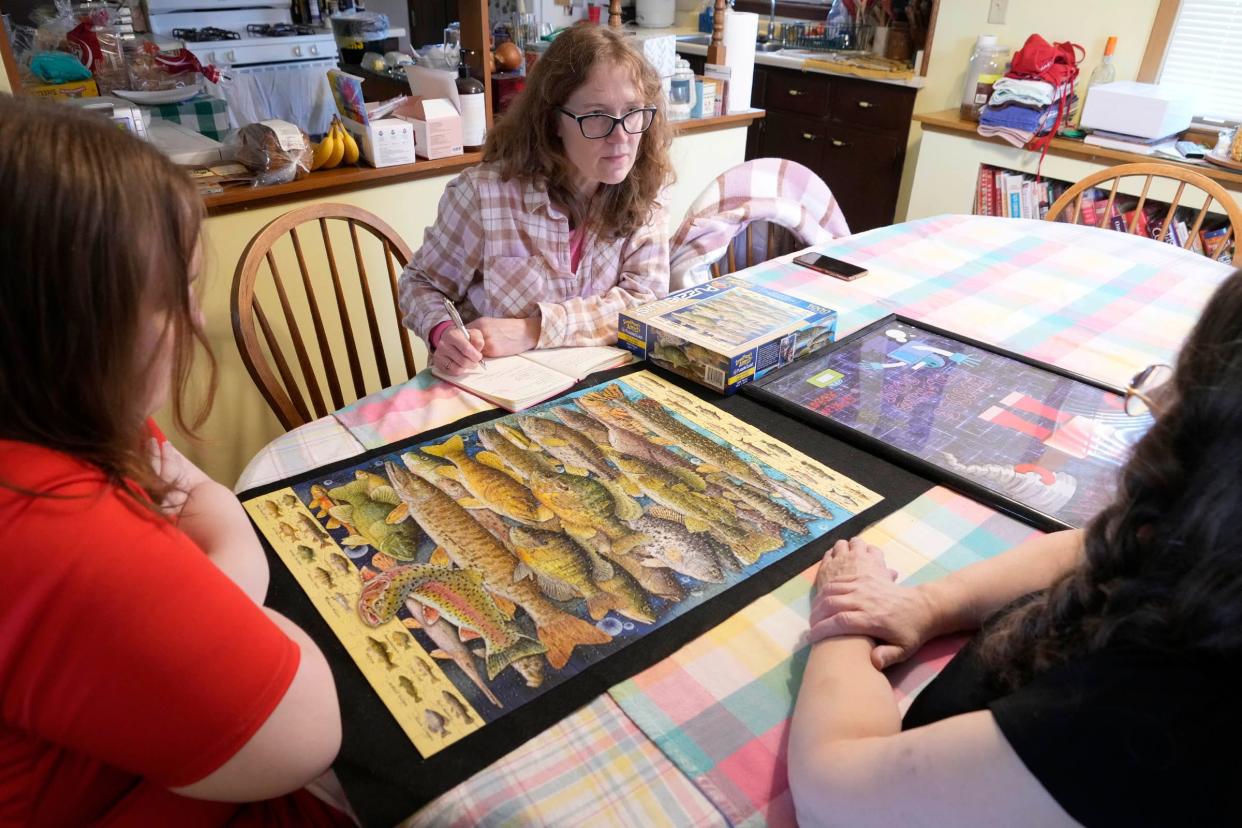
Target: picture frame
1036 441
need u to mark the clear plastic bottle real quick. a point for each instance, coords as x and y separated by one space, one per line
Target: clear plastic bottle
1106 72
681 91
988 62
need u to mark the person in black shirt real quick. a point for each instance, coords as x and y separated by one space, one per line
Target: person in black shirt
1100 687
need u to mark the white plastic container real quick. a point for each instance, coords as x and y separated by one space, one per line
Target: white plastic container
988 62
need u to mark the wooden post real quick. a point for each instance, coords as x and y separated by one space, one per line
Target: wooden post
716 51
614 14
476 34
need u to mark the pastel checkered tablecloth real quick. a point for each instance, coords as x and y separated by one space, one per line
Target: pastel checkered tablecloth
698 739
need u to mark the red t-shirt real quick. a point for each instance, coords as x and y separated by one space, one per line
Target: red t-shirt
129 663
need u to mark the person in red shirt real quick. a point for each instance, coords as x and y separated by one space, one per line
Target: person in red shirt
141 680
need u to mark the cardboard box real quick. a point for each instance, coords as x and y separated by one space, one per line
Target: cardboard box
725 333
1147 110
434 111
385 142
74 89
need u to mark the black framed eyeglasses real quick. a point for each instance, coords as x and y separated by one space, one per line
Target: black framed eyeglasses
1143 385
601 124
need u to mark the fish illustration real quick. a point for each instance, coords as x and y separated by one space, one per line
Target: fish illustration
428 468
582 423
409 688
271 509
1034 485
290 501
435 724
322 577
563 569
456 707
585 506
341 600
304 553
380 650
631 439
322 503
450 647
672 356
309 528
634 580
400 640
759 500
459 596
505 442
580 456
340 563
490 482
673 546
366 504
287 532
653 415
471 546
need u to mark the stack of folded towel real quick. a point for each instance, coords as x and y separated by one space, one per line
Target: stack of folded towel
1021 109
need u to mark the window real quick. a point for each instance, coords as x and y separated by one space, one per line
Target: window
1194 44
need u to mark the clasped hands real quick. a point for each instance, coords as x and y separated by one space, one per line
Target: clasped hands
489 336
856 594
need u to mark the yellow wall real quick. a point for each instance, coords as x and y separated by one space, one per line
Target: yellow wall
1086 22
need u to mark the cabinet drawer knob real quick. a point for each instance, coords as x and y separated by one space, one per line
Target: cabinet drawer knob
793 93
865 104
808 136
836 142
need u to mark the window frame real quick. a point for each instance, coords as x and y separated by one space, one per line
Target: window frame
1158 47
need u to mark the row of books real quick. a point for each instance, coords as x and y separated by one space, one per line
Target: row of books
1013 194
1009 194
1150 219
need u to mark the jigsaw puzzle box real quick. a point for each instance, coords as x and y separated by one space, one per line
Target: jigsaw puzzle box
726 332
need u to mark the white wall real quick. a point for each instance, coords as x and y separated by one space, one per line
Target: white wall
1086 22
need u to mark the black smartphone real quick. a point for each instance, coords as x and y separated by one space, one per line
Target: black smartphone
830 266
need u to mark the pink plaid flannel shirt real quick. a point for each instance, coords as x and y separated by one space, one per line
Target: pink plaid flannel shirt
501 249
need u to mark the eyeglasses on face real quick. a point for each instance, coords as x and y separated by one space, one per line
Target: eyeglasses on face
601 124
1142 387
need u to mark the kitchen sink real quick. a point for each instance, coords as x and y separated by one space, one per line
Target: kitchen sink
706 40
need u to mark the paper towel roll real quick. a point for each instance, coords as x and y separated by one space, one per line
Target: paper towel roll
741 29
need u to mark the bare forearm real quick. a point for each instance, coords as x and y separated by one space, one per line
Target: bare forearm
964 599
842 696
214 519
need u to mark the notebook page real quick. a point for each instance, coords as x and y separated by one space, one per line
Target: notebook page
578 362
512 379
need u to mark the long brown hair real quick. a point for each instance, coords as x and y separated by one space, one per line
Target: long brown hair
1163 562
100 231
525 142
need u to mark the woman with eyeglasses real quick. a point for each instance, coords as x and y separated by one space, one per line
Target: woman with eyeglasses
1100 688
560 227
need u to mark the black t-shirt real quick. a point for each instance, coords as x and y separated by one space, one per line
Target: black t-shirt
1122 736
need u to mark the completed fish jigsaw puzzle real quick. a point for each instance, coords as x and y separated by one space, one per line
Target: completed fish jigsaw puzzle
468 575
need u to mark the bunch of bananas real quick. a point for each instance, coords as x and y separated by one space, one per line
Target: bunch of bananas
337 147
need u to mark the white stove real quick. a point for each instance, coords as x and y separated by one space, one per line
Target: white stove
266 75
251 46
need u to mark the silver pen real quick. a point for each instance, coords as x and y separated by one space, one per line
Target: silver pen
457 323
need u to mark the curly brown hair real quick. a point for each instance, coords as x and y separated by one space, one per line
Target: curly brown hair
524 141
1163 562
99 229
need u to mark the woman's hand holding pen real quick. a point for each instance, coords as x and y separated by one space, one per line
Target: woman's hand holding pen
456 354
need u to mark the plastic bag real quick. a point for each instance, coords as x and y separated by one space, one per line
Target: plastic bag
277 152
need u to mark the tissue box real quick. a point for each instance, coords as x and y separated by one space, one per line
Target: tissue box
1147 110
660 51
436 124
385 142
725 333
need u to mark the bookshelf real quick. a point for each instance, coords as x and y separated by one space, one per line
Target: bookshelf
1000 191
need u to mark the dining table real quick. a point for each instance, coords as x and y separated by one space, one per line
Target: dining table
699 737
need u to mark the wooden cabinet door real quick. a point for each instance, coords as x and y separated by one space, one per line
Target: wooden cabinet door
863 169
795 137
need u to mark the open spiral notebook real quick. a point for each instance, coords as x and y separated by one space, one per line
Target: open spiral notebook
520 381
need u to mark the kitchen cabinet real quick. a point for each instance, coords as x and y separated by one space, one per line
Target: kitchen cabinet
851 132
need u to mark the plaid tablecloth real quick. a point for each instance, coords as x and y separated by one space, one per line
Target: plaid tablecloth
203 114
715 713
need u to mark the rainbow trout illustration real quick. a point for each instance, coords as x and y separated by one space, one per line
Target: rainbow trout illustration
458 595
450 647
488 478
471 546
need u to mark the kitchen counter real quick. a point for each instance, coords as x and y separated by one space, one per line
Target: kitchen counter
342 179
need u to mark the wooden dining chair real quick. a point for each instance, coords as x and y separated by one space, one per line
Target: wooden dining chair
1211 191
759 242
307 320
